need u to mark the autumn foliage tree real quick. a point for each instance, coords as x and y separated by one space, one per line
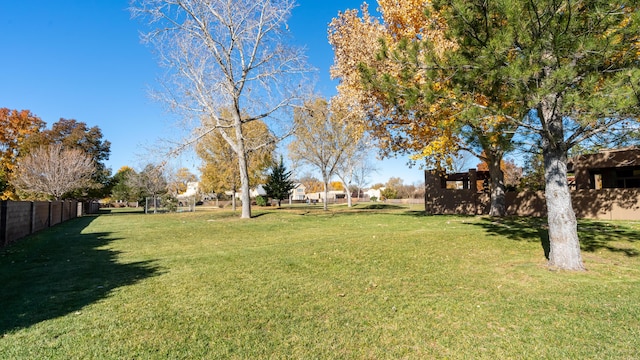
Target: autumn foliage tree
179 180
362 44
16 127
325 138
568 71
219 172
409 107
311 183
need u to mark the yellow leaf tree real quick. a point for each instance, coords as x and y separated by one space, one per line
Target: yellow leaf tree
325 138
567 71
219 172
180 180
15 129
383 70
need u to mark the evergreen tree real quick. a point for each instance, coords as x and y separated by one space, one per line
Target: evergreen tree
279 184
565 71
562 71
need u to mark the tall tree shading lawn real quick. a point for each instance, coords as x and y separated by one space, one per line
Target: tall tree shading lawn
568 71
227 56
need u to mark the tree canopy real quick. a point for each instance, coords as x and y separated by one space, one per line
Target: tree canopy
73 134
409 106
151 181
565 71
54 171
179 180
229 64
325 138
16 127
121 189
219 170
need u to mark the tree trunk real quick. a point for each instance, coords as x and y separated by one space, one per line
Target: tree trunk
244 187
234 191
498 207
326 195
347 192
564 245
241 151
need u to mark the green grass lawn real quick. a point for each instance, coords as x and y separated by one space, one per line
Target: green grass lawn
300 283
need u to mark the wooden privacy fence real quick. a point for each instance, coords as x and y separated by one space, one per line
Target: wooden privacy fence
21 218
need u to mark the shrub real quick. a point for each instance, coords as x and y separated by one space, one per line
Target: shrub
170 202
261 200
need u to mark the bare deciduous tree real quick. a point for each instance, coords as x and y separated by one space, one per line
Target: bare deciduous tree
353 169
227 55
325 139
362 170
151 181
55 171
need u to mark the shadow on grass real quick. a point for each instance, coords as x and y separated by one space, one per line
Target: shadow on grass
422 213
593 235
342 208
59 271
122 211
417 213
379 207
596 235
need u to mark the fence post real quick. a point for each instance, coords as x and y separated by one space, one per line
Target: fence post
3 223
50 215
32 214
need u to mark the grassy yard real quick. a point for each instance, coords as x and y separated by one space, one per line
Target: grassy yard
385 283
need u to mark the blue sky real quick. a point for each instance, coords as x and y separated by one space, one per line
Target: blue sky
83 60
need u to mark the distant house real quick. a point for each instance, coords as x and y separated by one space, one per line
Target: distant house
192 190
377 193
605 185
299 192
258 191
607 169
332 196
